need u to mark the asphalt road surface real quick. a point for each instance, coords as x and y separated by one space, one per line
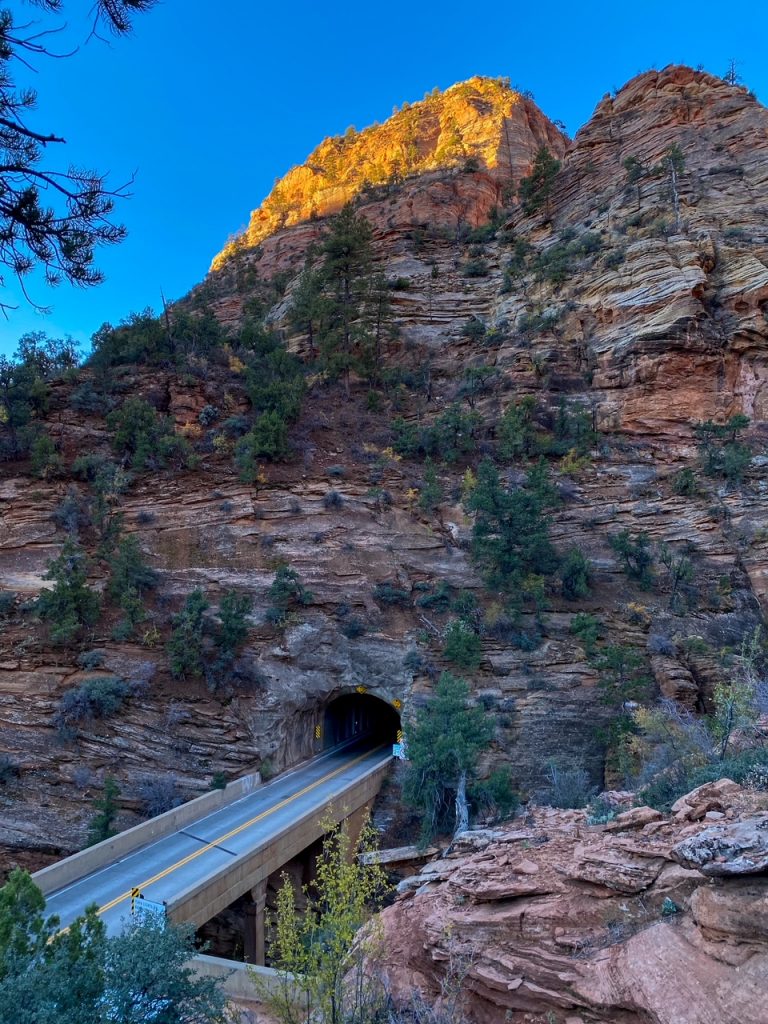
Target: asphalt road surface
166 867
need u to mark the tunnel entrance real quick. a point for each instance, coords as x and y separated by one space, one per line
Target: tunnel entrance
360 715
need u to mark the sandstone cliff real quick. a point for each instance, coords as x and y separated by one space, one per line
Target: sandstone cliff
654 319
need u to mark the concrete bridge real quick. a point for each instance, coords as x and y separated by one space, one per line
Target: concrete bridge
195 860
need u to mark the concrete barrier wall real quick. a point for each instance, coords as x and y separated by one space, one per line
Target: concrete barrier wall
203 900
69 870
244 981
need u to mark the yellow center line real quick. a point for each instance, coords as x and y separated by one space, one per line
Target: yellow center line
240 828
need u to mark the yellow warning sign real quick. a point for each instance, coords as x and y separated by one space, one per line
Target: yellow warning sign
318 731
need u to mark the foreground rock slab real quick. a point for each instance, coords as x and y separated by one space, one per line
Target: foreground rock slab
642 923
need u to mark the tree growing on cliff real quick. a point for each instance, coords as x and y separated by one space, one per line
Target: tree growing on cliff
24 390
130 581
307 308
51 220
510 535
185 646
445 739
536 189
106 807
347 257
70 604
54 976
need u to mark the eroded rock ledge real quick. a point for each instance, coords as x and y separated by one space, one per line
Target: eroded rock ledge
556 920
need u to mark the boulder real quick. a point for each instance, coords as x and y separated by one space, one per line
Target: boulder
638 817
712 796
736 848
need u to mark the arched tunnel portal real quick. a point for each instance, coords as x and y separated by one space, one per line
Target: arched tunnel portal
360 715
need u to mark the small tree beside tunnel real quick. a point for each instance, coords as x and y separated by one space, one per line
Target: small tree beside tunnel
445 739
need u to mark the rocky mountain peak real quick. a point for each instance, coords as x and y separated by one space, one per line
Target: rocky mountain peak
481 123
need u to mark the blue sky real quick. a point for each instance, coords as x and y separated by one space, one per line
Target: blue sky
208 104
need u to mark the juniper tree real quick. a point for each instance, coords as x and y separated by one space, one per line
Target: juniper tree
185 646
347 259
308 307
71 604
79 974
444 739
536 189
510 535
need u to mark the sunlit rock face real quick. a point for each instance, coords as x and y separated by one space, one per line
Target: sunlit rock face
654 320
483 120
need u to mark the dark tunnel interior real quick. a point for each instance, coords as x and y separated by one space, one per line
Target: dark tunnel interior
359 715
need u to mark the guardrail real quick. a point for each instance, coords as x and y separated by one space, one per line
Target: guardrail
78 865
206 898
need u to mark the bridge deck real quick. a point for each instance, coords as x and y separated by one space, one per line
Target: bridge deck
166 868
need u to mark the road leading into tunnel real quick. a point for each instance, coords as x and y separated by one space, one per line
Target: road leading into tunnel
165 868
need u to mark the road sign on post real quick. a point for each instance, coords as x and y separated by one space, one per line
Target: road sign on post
144 908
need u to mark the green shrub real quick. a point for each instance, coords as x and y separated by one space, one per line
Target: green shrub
267 439
477 267
537 323
145 437
87 467
510 535
71 604
45 461
431 493
207 415
101 697
333 499
185 646
285 592
573 429
624 675
474 329
495 795
106 807
685 483
88 400
481 234
462 646
235 426
575 573
131 578
386 594
536 188
450 436
438 598
516 432
634 551
587 629
721 451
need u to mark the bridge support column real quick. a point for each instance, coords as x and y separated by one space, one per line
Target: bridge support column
253 940
355 823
